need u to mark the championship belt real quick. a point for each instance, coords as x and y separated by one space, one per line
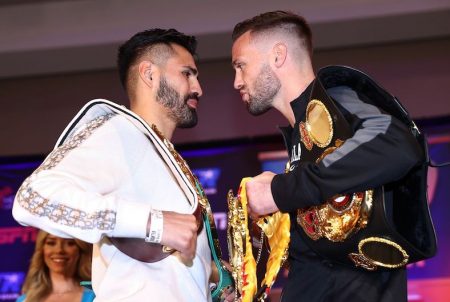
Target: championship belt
152 252
275 227
355 229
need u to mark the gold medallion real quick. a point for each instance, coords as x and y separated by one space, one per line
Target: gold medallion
319 123
380 252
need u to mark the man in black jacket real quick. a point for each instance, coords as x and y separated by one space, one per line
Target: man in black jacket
272 55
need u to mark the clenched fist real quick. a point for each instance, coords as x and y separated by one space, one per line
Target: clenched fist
259 195
180 233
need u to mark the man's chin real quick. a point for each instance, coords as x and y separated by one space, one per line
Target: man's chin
187 118
191 123
186 125
257 111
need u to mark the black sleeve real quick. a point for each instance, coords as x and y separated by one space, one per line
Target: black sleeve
381 150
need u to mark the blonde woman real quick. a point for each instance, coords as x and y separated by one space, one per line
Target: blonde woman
57 267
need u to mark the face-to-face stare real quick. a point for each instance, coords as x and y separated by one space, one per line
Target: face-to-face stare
61 255
179 89
254 78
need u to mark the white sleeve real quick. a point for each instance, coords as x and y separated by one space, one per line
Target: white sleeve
74 191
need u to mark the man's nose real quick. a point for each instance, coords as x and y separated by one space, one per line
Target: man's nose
238 83
196 88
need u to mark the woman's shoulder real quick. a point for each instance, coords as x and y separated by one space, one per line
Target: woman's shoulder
21 298
88 296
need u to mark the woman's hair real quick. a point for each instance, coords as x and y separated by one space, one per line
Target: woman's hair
37 284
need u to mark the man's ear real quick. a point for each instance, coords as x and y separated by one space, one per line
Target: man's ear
146 72
279 53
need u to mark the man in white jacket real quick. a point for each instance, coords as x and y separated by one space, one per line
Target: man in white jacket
107 179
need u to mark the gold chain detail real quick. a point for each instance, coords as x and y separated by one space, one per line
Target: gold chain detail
183 165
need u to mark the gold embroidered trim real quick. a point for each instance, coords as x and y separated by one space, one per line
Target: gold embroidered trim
59 213
183 166
202 199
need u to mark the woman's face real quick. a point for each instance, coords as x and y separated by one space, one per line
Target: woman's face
61 255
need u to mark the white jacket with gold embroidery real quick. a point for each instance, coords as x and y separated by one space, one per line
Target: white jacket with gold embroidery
100 181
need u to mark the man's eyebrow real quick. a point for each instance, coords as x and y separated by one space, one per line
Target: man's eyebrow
193 70
236 62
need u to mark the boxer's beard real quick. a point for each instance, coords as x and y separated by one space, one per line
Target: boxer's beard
266 87
179 111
